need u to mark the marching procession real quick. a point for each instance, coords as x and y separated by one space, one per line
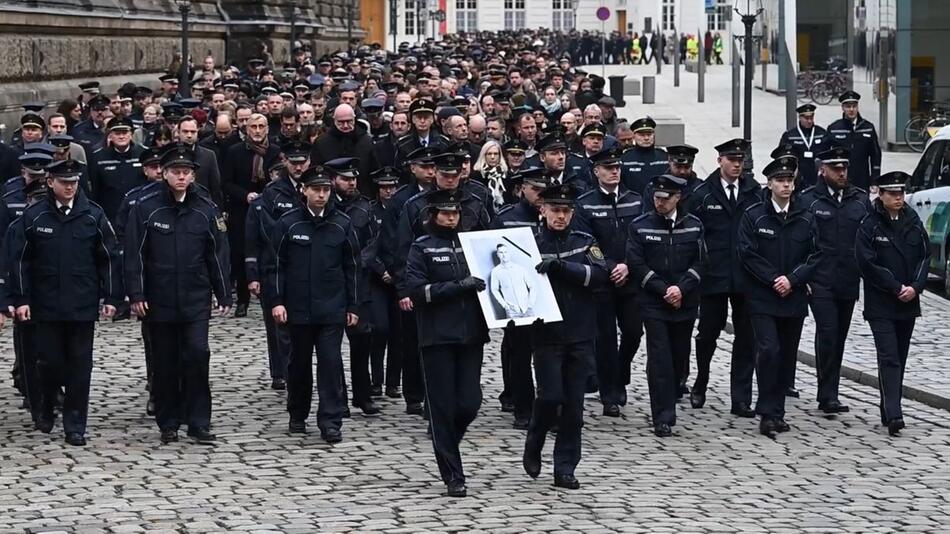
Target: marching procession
334 190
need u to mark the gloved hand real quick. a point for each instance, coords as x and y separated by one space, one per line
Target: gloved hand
471 282
548 266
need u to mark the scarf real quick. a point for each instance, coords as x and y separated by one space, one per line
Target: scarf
494 179
258 174
553 107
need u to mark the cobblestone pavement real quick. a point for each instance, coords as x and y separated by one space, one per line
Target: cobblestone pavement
716 475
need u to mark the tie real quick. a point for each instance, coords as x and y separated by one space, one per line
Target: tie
732 194
782 214
64 209
424 142
669 224
838 197
613 199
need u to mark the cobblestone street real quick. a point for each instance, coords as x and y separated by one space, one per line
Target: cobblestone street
717 474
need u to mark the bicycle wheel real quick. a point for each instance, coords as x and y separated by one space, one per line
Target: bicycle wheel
822 93
803 87
915 133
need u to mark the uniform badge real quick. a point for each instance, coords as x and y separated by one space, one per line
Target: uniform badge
219 222
596 255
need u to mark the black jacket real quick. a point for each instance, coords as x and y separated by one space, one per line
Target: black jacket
607 219
208 174
660 256
819 142
112 174
177 256
685 199
640 165
316 271
236 182
891 254
63 265
860 137
356 144
837 273
720 229
769 247
445 312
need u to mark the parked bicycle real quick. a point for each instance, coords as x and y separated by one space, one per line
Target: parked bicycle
922 127
834 83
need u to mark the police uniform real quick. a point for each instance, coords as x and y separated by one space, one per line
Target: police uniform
834 288
90 135
641 164
665 251
114 173
452 334
564 351
776 242
682 155
892 252
316 278
554 142
411 142
181 259
720 213
806 144
860 137
65 261
606 215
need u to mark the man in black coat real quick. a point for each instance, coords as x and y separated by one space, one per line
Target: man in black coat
855 133
347 139
644 161
807 140
208 175
115 170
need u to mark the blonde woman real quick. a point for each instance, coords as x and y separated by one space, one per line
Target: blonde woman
491 169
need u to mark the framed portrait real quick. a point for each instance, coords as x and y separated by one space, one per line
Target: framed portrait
505 259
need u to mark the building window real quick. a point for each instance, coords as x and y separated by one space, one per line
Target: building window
410 16
514 14
562 15
668 17
718 18
466 15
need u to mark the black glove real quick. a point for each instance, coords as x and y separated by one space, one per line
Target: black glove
548 266
472 282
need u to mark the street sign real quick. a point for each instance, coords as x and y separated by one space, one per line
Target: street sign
603 13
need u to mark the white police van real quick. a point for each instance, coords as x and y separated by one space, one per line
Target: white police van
929 196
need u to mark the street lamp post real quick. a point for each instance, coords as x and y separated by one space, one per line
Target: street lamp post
293 32
748 20
574 5
184 89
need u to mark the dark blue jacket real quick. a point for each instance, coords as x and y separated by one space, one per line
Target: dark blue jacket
685 199
638 166
861 138
607 219
89 136
580 272
62 265
837 274
517 215
771 246
316 272
891 254
445 312
807 166
112 174
280 196
660 256
176 256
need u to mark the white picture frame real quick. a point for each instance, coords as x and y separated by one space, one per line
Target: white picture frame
505 259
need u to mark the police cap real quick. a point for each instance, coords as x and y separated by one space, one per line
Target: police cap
444 200
597 129
606 158
41 148
35 107
564 194
536 176
91 87
423 155
667 185
682 154
35 189
99 102
836 156
120 124
784 150
179 155
151 156
449 162
35 162
372 105
806 109
296 151
60 141
346 167
168 78
893 181
67 170
515 145
733 147
849 96
785 167
32 119
385 176
551 142
421 105
643 124
315 175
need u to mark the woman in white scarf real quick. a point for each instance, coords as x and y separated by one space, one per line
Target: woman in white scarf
492 169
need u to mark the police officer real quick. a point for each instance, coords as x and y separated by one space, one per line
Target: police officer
719 202
315 288
564 351
644 161
452 330
518 393
855 133
552 150
181 259
893 256
115 169
665 251
65 259
90 133
838 208
605 212
779 252
807 140
422 134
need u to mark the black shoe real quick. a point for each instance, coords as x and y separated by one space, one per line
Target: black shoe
507 406
781 426
376 391
393 392
369 408
456 488
414 408
894 426
611 410
297 427
150 407
169 435
202 436
75 439
833 407
623 397
521 423
346 413
240 310
278 384
566 482
44 425
767 427
697 398
662 430
742 410
792 392
531 458
332 435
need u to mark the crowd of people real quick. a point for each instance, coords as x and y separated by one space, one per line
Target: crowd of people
333 191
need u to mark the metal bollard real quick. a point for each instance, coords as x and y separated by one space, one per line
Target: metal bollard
649 89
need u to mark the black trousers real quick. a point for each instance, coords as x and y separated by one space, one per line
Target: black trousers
776 351
452 375
668 342
180 385
516 369
562 372
413 388
147 352
613 362
361 340
712 319
892 342
64 359
832 322
25 351
326 340
278 344
387 345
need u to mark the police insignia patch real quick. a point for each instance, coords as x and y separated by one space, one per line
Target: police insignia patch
596 253
219 222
